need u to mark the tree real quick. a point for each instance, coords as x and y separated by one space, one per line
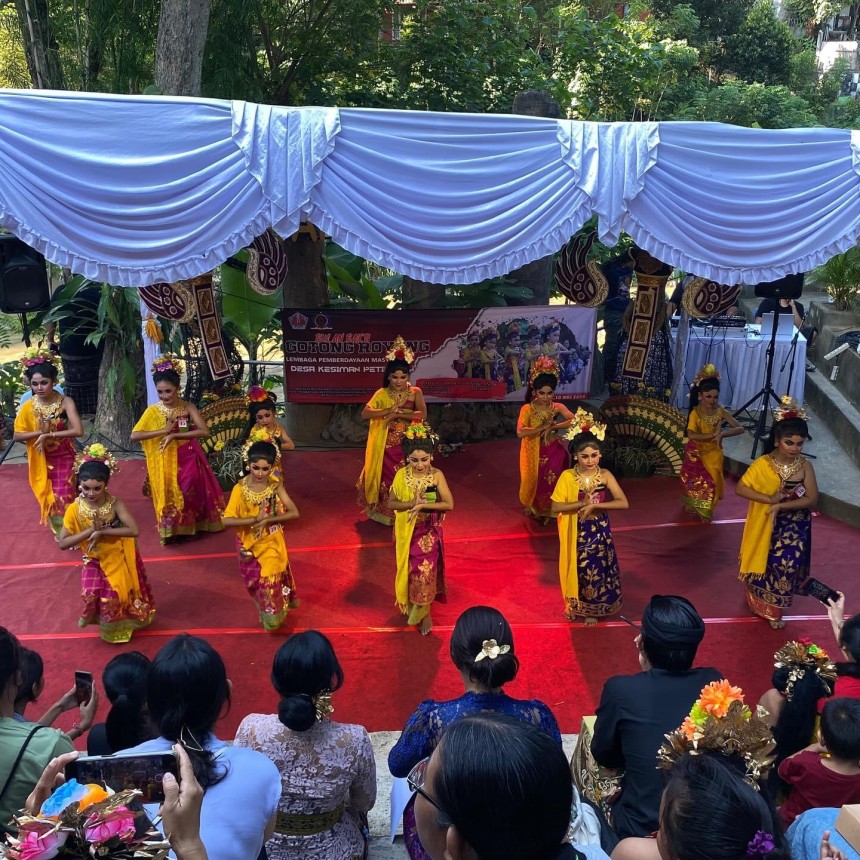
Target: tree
13 62
182 30
761 49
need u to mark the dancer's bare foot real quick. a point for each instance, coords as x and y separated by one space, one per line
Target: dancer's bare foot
426 625
590 622
777 625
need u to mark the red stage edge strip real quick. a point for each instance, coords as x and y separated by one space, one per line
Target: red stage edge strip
334 631
375 545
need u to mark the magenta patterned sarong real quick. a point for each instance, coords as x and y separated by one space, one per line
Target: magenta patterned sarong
203 499
553 459
274 597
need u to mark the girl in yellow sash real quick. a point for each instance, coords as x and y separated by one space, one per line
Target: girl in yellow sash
185 492
419 498
776 547
702 469
588 567
258 507
47 423
389 411
114 586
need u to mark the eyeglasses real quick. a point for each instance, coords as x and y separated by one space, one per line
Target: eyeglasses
415 781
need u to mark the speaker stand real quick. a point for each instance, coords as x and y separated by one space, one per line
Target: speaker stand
25 330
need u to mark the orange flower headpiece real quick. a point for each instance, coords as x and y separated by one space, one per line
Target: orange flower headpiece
788 408
258 394
720 722
583 422
168 361
543 365
802 656
96 453
400 351
709 371
38 355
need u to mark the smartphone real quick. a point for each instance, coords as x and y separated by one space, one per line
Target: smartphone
813 587
430 494
142 771
83 686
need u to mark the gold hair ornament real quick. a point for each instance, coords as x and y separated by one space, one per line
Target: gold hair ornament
322 704
802 656
583 422
544 365
788 408
168 361
96 453
400 351
490 649
38 355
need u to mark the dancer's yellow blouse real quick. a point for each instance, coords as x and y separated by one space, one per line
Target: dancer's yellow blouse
269 547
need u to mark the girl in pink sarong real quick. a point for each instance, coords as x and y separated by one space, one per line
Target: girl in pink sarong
185 492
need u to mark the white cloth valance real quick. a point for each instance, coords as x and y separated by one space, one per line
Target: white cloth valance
138 189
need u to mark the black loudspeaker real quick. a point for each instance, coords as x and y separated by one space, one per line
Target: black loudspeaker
23 277
788 287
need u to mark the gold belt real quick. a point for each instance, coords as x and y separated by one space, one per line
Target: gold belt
308 825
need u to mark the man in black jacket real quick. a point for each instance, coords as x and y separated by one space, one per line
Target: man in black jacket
636 711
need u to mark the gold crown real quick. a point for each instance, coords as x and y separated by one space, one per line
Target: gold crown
168 361
400 351
788 408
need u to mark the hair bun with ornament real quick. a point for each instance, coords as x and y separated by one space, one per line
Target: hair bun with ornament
801 656
96 453
720 722
400 351
35 356
788 408
168 361
584 422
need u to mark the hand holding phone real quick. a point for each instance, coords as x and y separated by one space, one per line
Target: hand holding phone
142 771
83 687
813 587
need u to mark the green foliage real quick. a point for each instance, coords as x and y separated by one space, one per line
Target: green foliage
717 18
245 314
13 63
351 284
761 49
752 105
840 277
816 11
11 386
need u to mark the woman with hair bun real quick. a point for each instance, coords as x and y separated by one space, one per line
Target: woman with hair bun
258 507
702 470
776 547
127 723
587 563
114 586
47 423
419 499
389 411
543 457
185 493
328 771
482 650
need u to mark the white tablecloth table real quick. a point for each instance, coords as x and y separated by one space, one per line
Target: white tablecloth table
741 360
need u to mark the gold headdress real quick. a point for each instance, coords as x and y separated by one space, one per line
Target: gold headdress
96 453
544 365
258 394
788 408
261 434
720 722
583 422
400 351
168 361
709 371
38 355
420 430
802 656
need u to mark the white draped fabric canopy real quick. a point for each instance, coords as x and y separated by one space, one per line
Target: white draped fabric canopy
133 190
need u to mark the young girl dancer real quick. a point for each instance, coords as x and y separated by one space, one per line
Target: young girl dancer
258 507
543 457
262 416
588 567
185 493
114 586
702 469
419 498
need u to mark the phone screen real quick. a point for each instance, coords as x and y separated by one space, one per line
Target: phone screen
83 687
815 588
144 772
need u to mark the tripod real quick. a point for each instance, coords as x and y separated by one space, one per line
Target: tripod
764 394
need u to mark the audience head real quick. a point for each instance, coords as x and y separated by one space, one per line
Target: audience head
840 728
849 640
482 647
186 691
708 812
10 665
671 633
124 681
304 671
32 679
501 789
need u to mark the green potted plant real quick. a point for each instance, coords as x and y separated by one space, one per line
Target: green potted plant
630 461
840 278
11 389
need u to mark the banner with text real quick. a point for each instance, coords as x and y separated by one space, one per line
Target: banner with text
338 356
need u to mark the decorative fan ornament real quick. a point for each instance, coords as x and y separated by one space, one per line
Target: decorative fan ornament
170 301
704 298
267 263
579 278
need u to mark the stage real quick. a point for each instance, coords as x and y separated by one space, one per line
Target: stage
344 569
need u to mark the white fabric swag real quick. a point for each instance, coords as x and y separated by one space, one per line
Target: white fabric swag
133 190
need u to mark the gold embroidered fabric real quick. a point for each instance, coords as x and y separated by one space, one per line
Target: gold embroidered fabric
419 483
47 412
102 514
257 498
590 482
787 470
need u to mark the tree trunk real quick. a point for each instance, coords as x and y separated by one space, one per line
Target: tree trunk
115 416
182 30
306 287
40 46
422 294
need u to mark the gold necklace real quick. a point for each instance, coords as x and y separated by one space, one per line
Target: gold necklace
399 397
786 470
418 483
710 420
542 415
102 513
170 412
47 411
254 497
588 482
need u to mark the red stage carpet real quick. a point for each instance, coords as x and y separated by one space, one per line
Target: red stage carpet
344 568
